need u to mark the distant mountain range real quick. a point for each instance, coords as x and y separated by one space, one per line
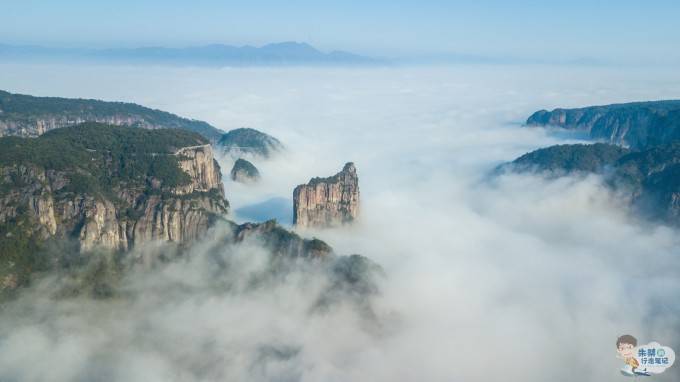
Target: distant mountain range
284 53
276 54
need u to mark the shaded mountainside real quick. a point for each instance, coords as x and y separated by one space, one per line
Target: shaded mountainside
569 158
281 241
28 116
249 142
244 172
103 186
327 202
637 125
651 177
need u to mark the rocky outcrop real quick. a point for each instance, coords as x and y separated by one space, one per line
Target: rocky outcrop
28 116
637 125
244 172
199 163
326 202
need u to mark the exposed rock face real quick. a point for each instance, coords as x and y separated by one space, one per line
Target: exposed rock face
244 172
177 214
28 116
199 163
638 125
326 202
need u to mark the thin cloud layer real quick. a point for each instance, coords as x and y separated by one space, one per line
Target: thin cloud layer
510 278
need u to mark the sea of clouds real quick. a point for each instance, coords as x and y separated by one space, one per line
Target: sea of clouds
513 278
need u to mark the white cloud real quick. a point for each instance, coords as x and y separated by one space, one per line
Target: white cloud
518 278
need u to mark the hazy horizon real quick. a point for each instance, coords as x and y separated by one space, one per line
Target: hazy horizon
82 54
616 32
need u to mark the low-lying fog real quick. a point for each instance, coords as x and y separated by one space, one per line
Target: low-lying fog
517 278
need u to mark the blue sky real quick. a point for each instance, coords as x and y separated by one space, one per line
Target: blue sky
561 29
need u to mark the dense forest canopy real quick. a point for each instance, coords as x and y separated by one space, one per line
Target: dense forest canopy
96 156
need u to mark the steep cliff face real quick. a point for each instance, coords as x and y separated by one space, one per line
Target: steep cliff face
28 116
325 202
127 217
199 163
42 124
638 125
147 205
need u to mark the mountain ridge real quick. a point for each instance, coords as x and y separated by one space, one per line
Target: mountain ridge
29 116
636 124
280 53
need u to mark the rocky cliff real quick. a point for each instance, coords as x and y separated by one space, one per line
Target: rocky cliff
28 116
199 163
638 125
325 202
112 192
